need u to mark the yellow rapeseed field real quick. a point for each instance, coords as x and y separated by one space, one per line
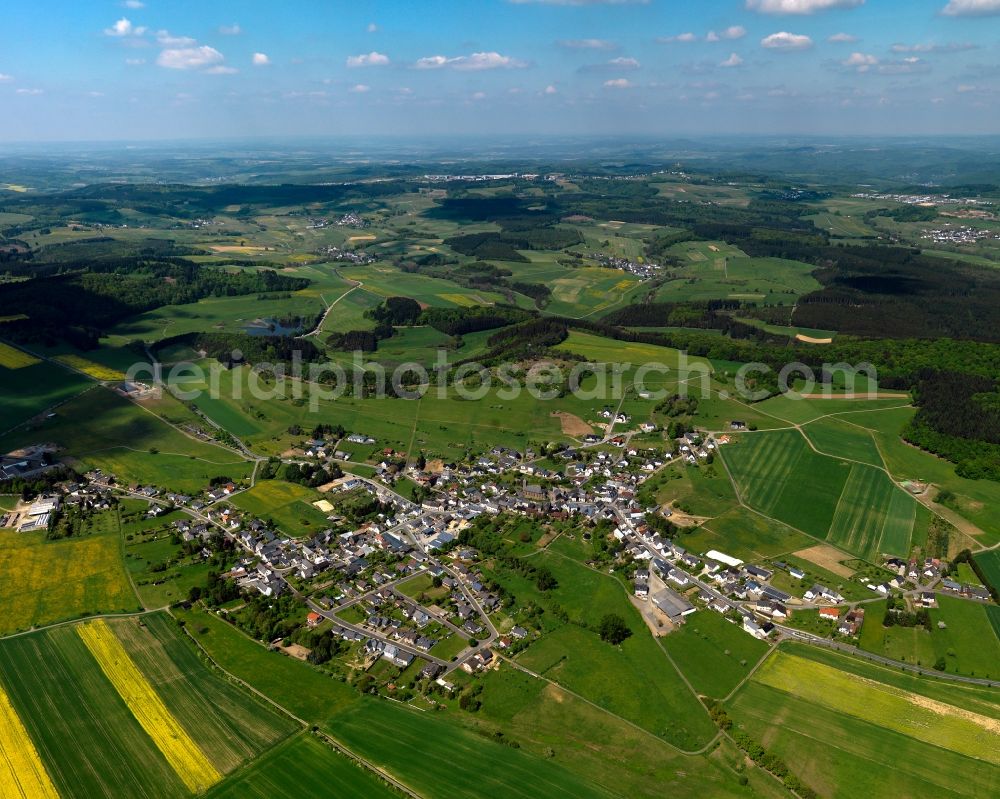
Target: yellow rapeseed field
170 737
21 770
12 358
96 370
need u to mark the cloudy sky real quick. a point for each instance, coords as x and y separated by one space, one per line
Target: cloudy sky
164 69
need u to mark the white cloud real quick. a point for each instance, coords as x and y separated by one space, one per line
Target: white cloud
134 4
733 61
221 69
189 57
680 37
862 62
123 28
474 62
624 62
550 89
962 88
842 37
371 59
733 32
231 30
167 39
4 78
618 83
134 62
799 6
971 8
949 47
30 92
783 40
587 44
372 27
360 88
260 59
479 95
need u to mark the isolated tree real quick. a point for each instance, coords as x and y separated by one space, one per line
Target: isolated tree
613 629
545 580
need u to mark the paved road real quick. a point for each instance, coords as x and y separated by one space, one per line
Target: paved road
329 614
798 635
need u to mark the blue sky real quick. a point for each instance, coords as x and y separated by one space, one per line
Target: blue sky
165 69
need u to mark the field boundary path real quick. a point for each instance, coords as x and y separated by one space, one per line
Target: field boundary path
327 738
322 320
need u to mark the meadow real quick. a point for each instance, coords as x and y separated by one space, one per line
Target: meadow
744 535
967 643
572 655
289 505
312 767
714 654
847 726
100 429
432 753
716 270
30 390
162 574
49 581
700 490
974 500
299 688
839 437
927 720
547 720
441 759
989 564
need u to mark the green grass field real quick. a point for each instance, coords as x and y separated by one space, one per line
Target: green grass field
714 654
100 429
27 392
547 720
701 491
852 505
289 505
837 436
968 642
162 574
974 499
989 564
716 270
574 656
744 535
441 759
48 581
306 766
844 725
294 685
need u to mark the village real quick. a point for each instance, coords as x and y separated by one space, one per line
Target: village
354 580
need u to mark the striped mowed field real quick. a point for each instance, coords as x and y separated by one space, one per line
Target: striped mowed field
126 707
853 505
